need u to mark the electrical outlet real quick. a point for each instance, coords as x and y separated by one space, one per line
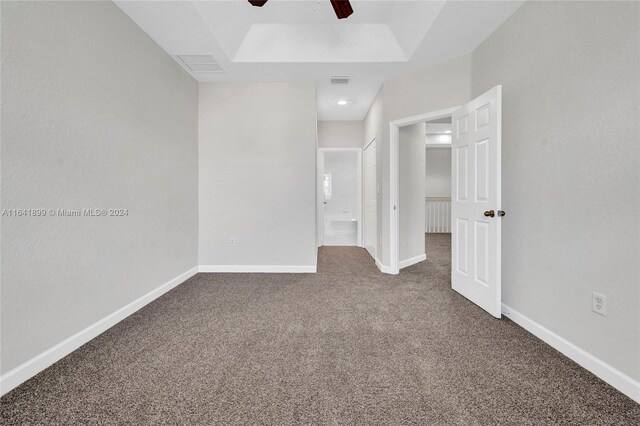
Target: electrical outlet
232 241
599 304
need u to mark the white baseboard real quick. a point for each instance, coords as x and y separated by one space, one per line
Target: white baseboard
412 261
30 368
383 268
601 369
296 269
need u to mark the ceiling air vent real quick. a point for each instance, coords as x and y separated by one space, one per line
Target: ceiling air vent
200 63
340 79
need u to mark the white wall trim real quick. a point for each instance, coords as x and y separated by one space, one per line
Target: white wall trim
362 190
30 368
601 369
295 269
412 260
383 268
394 179
319 199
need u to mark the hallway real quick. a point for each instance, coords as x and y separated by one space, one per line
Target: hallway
347 345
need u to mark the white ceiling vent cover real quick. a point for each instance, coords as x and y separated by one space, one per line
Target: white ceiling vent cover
200 63
340 79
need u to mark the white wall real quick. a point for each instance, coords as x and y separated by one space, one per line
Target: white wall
340 134
437 87
373 121
411 208
571 169
438 172
257 155
94 115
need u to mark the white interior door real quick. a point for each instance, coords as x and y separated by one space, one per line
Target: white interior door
370 206
476 201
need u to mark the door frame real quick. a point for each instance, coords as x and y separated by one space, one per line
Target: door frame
394 178
375 224
359 197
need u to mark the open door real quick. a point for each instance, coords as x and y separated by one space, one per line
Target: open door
476 201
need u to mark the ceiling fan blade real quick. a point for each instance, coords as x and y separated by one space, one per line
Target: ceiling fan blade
342 8
258 3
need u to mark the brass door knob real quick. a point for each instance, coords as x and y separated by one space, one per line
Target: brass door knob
489 213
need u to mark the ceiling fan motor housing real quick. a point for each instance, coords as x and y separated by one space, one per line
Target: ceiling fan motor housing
258 3
342 8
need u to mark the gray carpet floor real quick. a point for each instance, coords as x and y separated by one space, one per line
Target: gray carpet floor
347 345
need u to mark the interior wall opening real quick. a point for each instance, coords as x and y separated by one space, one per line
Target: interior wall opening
438 177
424 188
341 197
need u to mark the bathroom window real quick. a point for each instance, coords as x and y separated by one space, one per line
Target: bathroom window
326 185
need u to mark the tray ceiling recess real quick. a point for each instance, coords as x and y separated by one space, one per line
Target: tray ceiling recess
304 40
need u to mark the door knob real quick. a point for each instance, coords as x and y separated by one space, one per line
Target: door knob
489 213
501 213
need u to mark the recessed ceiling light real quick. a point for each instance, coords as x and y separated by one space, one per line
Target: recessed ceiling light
448 131
343 102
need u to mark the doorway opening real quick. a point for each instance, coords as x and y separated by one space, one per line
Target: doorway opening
408 207
340 171
437 201
424 187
